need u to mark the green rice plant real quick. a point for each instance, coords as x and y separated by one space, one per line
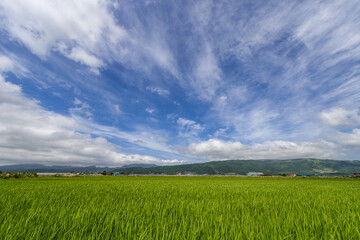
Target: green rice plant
108 207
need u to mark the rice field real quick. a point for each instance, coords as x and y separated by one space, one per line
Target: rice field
179 208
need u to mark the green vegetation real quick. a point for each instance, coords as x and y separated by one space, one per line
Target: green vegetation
108 207
17 175
308 166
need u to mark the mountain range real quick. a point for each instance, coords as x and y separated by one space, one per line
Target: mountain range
51 169
308 166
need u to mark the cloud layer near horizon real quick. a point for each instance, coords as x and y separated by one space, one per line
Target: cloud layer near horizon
218 150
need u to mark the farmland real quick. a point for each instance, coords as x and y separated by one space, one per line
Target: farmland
179 208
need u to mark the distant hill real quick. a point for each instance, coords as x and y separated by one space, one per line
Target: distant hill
51 169
274 167
138 165
309 166
64 169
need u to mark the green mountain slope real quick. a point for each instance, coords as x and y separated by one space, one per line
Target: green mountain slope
299 166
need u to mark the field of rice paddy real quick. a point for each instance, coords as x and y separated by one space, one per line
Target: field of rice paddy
179 208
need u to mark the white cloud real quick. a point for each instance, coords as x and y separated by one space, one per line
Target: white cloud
158 90
340 117
87 32
150 110
158 52
206 79
81 103
215 149
335 21
31 134
221 132
351 139
188 124
255 121
189 128
81 108
80 55
5 64
79 27
141 136
117 109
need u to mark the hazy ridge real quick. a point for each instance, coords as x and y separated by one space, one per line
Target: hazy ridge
300 166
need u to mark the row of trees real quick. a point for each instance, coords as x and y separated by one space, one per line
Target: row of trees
8 175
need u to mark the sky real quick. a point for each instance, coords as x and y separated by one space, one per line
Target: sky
108 83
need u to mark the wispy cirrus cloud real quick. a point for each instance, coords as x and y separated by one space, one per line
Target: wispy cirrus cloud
158 90
189 128
81 108
289 56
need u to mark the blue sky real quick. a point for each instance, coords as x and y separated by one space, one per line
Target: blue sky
108 83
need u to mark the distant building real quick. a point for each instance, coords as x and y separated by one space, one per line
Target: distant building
116 173
178 173
292 175
254 174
